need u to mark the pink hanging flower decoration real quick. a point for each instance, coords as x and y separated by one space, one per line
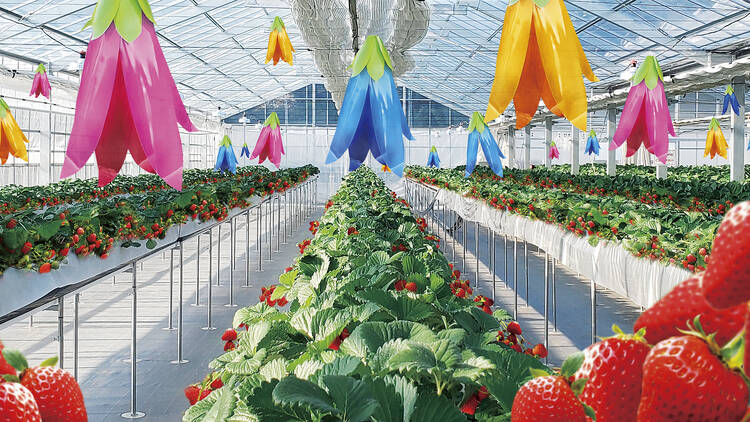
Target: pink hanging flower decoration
127 100
645 118
41 85
269 143
553 151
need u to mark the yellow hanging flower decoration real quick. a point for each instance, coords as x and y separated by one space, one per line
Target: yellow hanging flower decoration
279 46
540 56
385 169
715 141
12 138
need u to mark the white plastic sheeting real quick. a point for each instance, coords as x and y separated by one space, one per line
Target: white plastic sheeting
608 264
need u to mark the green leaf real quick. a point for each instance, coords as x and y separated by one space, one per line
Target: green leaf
287 279
589 411
279 292
254 335
275 369
577 385
572 364
49 362
352 397
151 244
48 229
294 391
368 337
15 238
16 360
433 408
342 365
223 407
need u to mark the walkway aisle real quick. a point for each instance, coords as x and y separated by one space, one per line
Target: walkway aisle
573 292
105 331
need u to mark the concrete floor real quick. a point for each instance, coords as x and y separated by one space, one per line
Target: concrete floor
105 312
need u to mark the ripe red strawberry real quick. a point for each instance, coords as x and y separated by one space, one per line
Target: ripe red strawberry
5 367
539 351
514 328
56 391
45 268
192 392
547 399
613 368
685 380
229 335
17 404
400 285
229 346
411 286
216 384
672 312
725 283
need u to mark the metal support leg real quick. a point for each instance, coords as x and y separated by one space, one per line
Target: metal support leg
258 237
269 225
233 227
554 295
218 257
247 248
133 414
179 359
198 274
546 302
515 279
526 268
210 300
453 236
61 331
505 258
463 230
278 224
593 312
493 258
170 317
476 250
76 302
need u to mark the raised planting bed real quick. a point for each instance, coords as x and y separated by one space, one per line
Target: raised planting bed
369 323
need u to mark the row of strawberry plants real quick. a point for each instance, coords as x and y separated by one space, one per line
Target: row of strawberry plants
41 238
665 234
370 323
702 189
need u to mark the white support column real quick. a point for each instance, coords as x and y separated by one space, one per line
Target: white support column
547 142
512 147
575 160
611 154
677 129
527 147
737 145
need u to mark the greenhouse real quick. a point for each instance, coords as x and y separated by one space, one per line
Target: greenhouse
374 210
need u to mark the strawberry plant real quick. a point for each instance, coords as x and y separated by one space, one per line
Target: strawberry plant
374 330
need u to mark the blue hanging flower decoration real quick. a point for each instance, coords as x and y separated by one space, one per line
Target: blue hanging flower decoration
245 151
592 144
433 160
730 99
226 160
480 133
371 118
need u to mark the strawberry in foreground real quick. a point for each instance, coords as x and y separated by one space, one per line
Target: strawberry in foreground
685 379
613 368
725 282
56 391
5 367
551 398
17 404
672 312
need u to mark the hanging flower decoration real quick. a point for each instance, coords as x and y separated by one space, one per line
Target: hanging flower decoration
269 143
433 160
592 144
553 151
12 139
385 169
245 152
645 118
540 56
41 85
371 117
730 99
279 46
226 160
127 100
480 133
715 141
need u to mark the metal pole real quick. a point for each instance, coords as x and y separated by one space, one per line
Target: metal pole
247 248
218 257
233 227
198 274
258 238
492 264
179 359
76 300
554 295
61 330
526 269
546 302
505 258
476 249
269 225
515 279
593 312
278 223
170 317
210 256
133 414
463 230
209 303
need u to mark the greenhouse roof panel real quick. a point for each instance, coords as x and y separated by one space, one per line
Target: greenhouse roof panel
216 48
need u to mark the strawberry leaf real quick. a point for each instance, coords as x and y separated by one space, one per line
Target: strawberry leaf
589 411
577 386
15 359
571 364
49 362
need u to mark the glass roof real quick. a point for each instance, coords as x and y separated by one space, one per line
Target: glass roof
216 48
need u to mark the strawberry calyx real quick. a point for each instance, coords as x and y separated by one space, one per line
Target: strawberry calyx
731 354
639 335
567 371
